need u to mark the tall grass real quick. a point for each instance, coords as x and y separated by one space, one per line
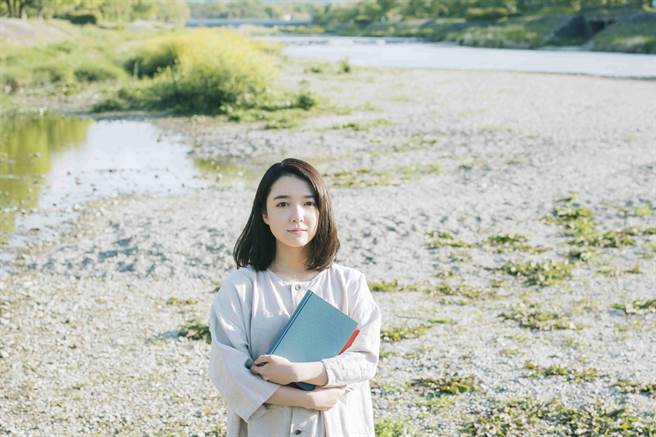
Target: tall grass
187 71
198 71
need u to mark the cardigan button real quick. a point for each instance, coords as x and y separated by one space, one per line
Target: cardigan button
297 287
298 431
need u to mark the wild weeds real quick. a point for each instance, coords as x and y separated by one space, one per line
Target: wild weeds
589 374
195 329
541 274
446 385
525 416
532 318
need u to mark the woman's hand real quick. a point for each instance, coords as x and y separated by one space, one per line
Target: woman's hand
274 368
324 398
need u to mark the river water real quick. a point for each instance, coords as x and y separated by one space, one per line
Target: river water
413 53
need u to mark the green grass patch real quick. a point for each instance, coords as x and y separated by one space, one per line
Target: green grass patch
394 285
195 329
446 385
442 239
531 317
394 427
512 243
178 301
203 71
525 416
614 272
638 306
385 286
589 374
628 386
644 210
578 223
364 177
460 290
540 274
404 332
361 126
520 32
634 36
583 254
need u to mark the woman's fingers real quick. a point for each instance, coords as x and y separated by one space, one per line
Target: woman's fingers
261 360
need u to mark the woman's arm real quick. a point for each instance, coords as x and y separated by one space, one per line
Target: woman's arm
281 371
312 373
320 399
291 397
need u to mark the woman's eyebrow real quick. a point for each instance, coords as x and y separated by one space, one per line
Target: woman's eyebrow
284 196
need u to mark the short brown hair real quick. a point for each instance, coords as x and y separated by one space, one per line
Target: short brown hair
257 246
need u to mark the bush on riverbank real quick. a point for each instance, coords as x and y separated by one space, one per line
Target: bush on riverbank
61 67
199 71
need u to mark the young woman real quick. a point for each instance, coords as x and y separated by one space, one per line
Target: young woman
288 246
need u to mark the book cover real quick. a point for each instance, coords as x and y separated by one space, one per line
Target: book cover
316 330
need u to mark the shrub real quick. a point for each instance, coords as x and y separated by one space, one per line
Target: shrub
200 71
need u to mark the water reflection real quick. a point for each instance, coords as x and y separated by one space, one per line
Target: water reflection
27 146
51 164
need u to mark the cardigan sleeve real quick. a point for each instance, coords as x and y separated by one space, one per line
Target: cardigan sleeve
242 391
358 363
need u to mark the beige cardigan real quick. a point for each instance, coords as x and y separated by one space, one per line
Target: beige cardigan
246 316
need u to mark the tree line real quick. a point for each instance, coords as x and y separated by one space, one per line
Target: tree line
252 9
381 10
92 11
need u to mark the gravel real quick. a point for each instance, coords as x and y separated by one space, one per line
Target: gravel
90 346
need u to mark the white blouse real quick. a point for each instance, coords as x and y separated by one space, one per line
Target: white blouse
247 315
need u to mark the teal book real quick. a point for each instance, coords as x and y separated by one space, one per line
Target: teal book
316 330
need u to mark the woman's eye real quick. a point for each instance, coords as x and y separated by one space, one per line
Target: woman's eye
310 203
282 204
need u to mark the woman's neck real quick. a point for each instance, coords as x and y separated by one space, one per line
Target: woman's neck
291 263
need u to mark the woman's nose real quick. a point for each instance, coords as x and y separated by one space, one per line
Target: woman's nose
297 213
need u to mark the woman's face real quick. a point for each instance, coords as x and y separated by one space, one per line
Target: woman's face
291 211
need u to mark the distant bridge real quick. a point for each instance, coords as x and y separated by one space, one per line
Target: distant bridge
235 22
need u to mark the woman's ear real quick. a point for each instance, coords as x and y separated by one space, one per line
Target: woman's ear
264 218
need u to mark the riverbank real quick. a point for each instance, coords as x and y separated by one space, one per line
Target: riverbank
622 30
445 185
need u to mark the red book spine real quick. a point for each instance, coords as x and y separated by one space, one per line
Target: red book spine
350 341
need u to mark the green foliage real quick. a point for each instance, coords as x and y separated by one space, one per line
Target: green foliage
445 239
446 385
364 177
461 290
199 71
532 318
541 274
62 67
91 12
638 306
526 416
637 35
570 374
581 254
628 386
386 286
178 301
404 332
345 66
512 243
195 329
362 125
389 427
